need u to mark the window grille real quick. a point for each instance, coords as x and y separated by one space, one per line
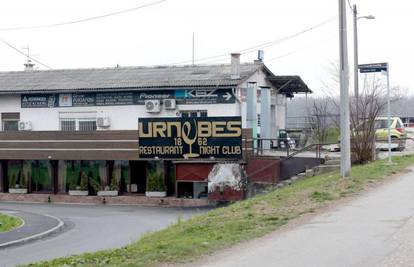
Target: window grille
10 125
87 125
82 122
67 125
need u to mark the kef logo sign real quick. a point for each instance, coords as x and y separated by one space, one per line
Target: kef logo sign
174 138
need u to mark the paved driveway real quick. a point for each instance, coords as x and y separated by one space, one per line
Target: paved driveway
89 228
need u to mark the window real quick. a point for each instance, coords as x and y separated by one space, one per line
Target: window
10 125
381 124
87 125
194 113
77 121
67 125
10 121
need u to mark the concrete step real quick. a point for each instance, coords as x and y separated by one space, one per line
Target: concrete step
326 168
309 173
333 162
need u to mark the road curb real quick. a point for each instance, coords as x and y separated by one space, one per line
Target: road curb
36 236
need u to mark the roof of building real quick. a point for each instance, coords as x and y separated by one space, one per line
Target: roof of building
138 78
289 85
123 77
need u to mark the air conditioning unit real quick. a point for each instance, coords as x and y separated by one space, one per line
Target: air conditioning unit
103 122
170 104
25 126
152 106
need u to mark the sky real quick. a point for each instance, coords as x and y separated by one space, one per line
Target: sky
161 34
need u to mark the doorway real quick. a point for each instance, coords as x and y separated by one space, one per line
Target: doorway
138 176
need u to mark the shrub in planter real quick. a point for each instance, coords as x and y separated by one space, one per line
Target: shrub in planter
23 181
95 184
112 189
18 188
155 184
12 181
81 189
114 182
84 182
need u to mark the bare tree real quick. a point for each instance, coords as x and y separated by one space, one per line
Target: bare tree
320 120
364 109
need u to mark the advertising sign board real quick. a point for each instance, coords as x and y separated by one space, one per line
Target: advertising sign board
122 98
192 138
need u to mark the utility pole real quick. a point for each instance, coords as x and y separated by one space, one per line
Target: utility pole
344 94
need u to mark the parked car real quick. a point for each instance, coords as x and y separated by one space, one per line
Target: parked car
398 132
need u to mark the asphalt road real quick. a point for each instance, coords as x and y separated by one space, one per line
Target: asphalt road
89 228
374 229
34 225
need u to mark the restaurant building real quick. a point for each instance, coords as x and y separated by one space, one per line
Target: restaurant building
77 129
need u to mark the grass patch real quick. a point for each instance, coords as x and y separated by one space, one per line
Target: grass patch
8 223
223 227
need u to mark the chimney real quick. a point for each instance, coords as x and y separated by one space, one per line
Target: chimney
28 66
235 66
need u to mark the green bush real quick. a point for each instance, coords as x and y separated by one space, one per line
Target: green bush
12 181
84 182
115 182
95 183
155 182
23 180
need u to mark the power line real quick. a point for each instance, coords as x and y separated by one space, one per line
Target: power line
288 53
300 49
82 20
263 45
39 62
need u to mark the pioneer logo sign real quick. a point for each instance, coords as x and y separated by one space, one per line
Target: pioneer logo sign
174 138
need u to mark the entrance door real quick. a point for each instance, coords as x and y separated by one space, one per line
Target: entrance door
138 176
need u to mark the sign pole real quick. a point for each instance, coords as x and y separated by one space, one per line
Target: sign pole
382 67
389 113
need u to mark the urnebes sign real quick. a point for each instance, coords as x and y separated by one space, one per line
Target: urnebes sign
174 138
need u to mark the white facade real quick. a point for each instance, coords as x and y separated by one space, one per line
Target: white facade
121 117
278 103
125 117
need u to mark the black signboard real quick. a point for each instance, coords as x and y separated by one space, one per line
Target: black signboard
39 101
192 138
122 98
83 100
375 67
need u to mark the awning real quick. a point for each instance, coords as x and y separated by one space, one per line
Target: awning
289 85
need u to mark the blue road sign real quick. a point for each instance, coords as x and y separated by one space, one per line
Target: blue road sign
375 67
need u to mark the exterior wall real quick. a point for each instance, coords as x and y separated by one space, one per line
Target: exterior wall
263 170
280 112
278 109
193 171
121 117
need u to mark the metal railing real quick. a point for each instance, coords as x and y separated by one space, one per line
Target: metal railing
257 147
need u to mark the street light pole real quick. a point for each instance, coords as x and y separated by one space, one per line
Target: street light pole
356 70
356 76
344 94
